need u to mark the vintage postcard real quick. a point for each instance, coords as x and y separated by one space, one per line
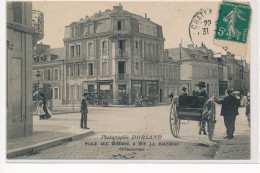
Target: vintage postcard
142 80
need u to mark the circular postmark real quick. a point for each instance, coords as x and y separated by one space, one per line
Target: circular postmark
202 26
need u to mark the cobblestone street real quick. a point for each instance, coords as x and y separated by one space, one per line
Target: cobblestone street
134 122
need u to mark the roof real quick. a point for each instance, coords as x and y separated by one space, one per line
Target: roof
60 52
107 14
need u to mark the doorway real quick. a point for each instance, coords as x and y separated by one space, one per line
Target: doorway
161 95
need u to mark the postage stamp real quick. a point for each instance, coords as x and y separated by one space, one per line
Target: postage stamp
233 22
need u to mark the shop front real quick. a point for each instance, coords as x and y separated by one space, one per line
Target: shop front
151 88
136 90
105 91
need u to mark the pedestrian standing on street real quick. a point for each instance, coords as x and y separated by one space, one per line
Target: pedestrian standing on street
40 110
45 107
229 111
127 99
248 110
84 112
201 92
171 96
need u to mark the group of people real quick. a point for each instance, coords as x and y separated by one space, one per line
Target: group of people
229 110
42 109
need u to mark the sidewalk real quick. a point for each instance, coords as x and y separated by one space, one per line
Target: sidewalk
46 134
68 110
239 146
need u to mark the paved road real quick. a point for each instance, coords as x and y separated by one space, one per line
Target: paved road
133 122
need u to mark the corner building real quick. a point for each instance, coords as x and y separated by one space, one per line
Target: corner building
113 53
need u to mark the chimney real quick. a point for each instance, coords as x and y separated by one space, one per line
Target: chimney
145 15
166 53
115 7
120 7
190 46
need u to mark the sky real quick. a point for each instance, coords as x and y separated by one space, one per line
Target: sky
174 17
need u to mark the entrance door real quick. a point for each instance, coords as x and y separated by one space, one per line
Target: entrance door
161 95
121 94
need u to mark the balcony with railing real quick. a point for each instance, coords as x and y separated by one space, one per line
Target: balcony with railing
120 53
122 77
38 25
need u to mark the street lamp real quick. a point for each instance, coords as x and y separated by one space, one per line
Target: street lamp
38 76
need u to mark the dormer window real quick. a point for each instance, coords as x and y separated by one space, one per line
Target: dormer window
119 25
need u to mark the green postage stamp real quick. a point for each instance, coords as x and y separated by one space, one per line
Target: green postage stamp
233 22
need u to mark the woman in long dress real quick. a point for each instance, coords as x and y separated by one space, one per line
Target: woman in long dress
40 110
45 108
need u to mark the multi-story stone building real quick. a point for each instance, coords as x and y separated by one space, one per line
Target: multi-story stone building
245 76
238 73
197 64
113 53
24 29
49 63
170 82
234 71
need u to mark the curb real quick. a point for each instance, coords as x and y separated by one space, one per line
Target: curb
46 144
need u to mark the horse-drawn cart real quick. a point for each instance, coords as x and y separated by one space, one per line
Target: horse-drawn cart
194 108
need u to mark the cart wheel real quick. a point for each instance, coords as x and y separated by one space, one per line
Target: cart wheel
144 104
211 121
174 121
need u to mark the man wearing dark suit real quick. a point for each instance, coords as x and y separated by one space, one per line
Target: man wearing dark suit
229 111
84 112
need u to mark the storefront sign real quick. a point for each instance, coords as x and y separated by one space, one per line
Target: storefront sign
104 87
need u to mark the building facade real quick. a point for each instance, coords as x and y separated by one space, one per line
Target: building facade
238 73
170 78
197 64
113 53
49 63
23 31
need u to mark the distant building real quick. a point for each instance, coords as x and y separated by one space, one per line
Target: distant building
197 64
24 29
50 64
170 82
245 76
113 53
238 73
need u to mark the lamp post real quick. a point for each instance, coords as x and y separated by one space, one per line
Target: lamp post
38 76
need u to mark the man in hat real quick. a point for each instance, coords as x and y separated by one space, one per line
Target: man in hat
84 112
171 96
201 90
183 91
229 111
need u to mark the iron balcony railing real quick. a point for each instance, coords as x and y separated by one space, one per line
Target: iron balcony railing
38 22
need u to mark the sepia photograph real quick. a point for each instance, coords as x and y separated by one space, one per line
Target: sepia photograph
129 80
